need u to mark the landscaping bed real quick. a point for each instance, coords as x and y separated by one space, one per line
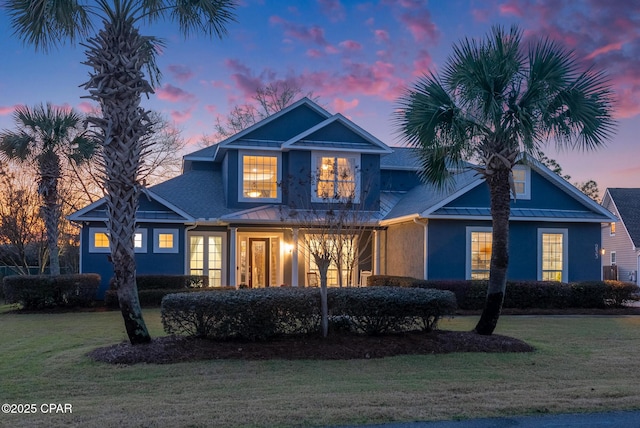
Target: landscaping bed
337 346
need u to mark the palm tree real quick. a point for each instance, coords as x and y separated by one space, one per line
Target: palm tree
119 55
43 136
494 104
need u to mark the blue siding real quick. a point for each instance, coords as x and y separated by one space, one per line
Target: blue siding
447 249
146 263
398 181
370 181
544 195
287 126
337 132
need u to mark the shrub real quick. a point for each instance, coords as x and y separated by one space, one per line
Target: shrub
44 291
264 313
620 293
471 294
242 314
377 310
152 288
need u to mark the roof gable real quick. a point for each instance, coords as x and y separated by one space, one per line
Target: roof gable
152 209
337 133
626 202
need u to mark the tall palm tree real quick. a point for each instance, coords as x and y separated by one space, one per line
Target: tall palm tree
124 68
493 102
43 136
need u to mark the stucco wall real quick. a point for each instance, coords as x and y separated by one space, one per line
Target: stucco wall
404 250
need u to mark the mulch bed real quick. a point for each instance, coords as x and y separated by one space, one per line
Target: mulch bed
173 349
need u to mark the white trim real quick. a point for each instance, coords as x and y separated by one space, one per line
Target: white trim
526 194
382 147
259 153
467 261
156 241
144 240
565 251
223 271
93 231
317 155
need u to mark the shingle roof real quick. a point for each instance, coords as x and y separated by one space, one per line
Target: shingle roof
424 196
627 202
400 158
198 193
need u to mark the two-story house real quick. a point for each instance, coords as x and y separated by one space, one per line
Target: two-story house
234 214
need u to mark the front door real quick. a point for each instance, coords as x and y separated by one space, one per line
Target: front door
259 262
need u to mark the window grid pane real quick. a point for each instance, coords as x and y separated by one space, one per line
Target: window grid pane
481 244
260 177
165 240
336 177
552 256
101 240
137 240
215 261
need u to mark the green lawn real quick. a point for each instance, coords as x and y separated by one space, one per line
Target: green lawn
581 364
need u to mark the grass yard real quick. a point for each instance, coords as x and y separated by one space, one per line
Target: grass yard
581 364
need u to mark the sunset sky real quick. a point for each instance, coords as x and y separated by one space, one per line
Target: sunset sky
356 57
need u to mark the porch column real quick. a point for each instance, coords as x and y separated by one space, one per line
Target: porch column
376 252
294 259
233 269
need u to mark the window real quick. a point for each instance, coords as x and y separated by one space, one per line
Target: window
522 181
552 254
205 257
99 240
612 228
259 177
336 177
613 258
140 241
165 240
479 245
343 249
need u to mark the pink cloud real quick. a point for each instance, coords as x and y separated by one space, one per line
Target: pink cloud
420 25
423 63
313 34
511 8
5 110
174 94
314 53
86 107
180 72
480 15
333 9
604 49
340 105
350 45
381 35
181 116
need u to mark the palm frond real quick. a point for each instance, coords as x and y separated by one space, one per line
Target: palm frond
46 24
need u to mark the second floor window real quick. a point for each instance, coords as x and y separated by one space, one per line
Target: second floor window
336 177
259 177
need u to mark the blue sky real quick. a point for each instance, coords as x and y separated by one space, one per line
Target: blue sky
357 57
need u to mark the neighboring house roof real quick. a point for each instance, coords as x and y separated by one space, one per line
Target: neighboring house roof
627 204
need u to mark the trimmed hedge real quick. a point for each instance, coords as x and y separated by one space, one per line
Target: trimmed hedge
471 294
261 314
152 288
45 291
